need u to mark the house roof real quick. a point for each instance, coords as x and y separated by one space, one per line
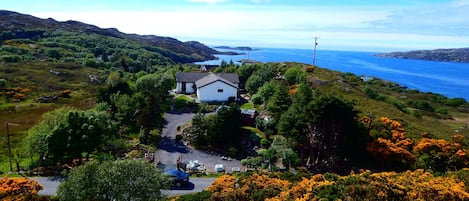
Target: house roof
211 78
193 77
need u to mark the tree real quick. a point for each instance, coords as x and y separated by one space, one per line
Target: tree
199 130
284 152
114 180
222 130
227 125
245 72
279 102
332 119
295 75
81 132
263 74
267 90
3 83
36 142
127 107
253 83
280 151
155 87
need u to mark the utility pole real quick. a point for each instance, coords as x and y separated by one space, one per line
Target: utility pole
314 53
8 142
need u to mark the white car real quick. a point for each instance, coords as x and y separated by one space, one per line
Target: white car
235 169
219 168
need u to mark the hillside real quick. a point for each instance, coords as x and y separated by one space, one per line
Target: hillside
14 25
47 64
447 55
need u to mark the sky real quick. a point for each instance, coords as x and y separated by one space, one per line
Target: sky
361 25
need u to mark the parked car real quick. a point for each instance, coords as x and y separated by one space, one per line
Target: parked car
219 168
194 167
235 169
180 178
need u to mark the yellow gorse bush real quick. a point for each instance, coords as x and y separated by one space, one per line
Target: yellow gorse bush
17 188
408 185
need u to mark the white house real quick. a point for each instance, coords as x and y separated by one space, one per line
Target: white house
209 87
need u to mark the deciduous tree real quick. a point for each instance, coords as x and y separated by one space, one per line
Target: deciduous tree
114 180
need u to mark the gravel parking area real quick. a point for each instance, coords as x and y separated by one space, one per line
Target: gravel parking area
169 151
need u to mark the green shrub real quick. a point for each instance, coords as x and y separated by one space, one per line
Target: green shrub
203 195
256 99
416 113
463 176
422 105
233 152
371 93
442 110
455 102
11 58
265 143
398 104
181 102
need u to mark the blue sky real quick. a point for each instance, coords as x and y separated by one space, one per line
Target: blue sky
362 25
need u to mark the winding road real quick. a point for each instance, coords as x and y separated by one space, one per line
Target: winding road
168 153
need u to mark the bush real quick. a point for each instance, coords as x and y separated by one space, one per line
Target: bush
182 101
422 105
114 180
135 154
416 113
203 195
65 93
256 99
455 102
442 110
265 143
233 152
398 104
11 58
3 83
18 188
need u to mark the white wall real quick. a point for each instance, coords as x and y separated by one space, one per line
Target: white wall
210 92
189 87
178 87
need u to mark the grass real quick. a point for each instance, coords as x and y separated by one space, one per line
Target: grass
352 88
248 105
255 130
37 77
182 101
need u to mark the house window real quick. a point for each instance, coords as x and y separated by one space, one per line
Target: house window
220 90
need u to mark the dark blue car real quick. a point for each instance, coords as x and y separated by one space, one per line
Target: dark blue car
180 178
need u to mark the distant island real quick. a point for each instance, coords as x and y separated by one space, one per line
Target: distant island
235 48
447 55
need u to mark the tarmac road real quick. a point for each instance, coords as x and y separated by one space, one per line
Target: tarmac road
50 185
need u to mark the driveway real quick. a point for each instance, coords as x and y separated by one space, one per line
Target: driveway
169 150
195 185
49 184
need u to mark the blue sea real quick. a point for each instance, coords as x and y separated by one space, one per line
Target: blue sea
446 78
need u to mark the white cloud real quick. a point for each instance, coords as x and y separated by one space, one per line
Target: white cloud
207 1
260 1
338 27
460 3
